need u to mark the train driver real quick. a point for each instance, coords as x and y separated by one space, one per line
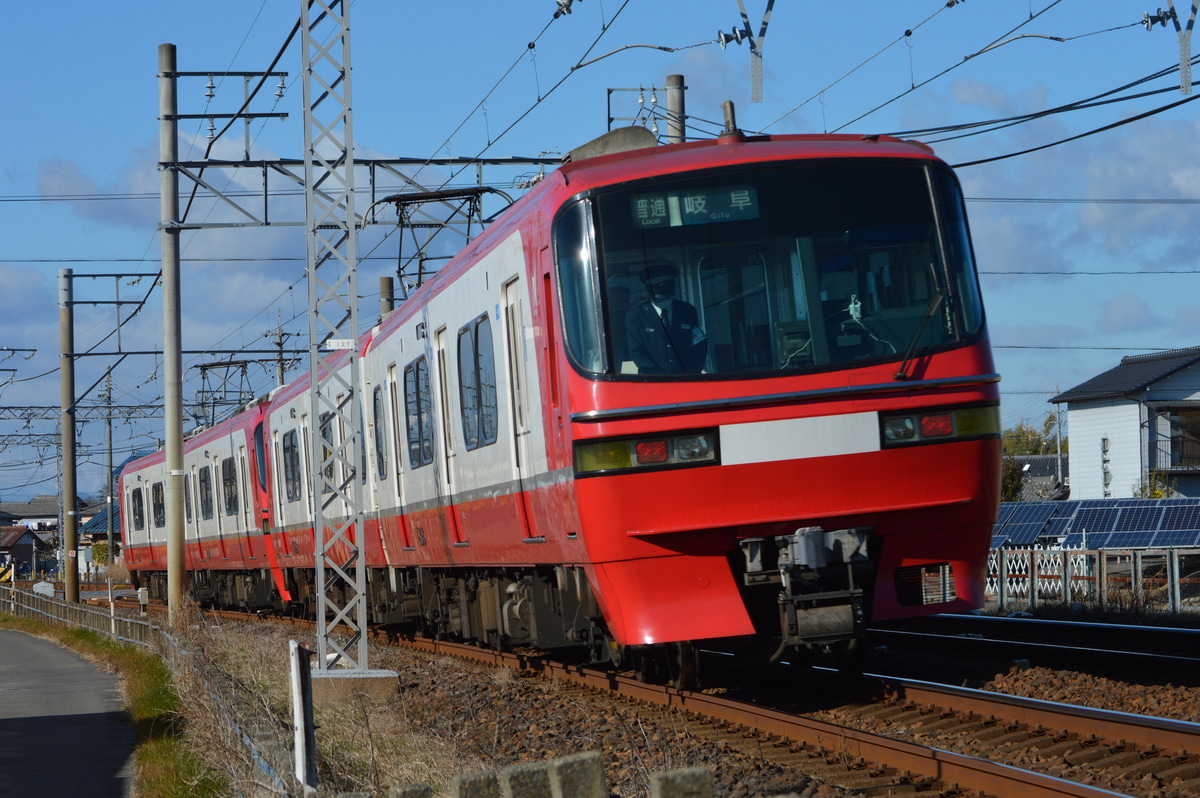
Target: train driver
663 334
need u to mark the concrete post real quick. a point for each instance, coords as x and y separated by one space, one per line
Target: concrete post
168 145
70 520
676 116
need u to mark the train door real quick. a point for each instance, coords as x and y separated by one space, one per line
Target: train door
514 335
447 481
378 485
397 420
247 523
190 525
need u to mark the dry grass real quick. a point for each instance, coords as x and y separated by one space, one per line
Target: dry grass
363 744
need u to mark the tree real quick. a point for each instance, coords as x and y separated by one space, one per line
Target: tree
1012 475
1025 439
1154 485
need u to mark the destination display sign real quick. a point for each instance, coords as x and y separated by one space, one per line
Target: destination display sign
695 206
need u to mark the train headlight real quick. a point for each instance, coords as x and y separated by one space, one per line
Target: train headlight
693 447
615 455
897 430
939 425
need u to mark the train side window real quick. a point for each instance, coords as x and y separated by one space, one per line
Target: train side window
477 383
158 504
187 497
206 493
291 465
136 503
468 387
229 486
418 409
327 451
485 354
380 433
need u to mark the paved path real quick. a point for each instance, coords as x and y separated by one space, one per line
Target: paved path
63 731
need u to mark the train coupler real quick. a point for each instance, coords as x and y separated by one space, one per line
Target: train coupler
819 574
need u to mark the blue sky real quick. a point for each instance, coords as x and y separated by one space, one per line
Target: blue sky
1085 247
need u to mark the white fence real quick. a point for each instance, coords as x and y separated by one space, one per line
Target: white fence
1141 578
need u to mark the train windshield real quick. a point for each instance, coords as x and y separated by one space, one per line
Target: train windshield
791 267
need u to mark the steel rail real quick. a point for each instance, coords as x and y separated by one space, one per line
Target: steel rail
946 767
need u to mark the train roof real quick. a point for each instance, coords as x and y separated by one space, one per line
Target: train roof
737 148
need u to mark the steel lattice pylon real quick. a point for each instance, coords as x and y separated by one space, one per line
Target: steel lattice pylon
335 424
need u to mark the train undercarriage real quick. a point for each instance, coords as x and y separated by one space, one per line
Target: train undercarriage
805 591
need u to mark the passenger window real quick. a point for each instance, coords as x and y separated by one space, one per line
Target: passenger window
380 434
158 504
477 383
468 387
206 493
418 409
229 485
291 466
138 508
187 497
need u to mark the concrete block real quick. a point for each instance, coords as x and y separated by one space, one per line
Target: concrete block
526 780
578 776
475 785
683 783
337 686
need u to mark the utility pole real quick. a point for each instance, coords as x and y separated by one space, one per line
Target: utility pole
676 114
66 336
280 364
168 147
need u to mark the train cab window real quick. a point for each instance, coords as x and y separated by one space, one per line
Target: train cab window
757 269
577 275
477 383
229 485
418 410
291 465
205 486
378 422
158 505
138 509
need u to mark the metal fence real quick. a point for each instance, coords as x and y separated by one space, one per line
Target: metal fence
1148 579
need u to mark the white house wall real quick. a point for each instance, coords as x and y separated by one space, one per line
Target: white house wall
1089 423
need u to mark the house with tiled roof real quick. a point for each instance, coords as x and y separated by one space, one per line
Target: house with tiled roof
18 546
1138 420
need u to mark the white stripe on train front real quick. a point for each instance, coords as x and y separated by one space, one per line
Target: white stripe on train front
798 438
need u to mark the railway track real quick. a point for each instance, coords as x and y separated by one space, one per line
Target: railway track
897 736
1144 653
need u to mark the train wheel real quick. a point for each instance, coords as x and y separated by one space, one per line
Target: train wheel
683 665
644 663
848 656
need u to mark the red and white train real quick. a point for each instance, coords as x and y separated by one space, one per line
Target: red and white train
725 388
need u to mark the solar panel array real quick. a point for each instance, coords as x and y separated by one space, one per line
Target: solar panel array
1100 523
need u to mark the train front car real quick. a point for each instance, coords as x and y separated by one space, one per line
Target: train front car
782 401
